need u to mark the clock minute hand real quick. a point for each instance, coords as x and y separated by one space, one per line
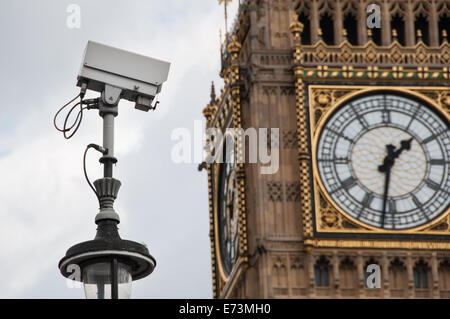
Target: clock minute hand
388 163
385 196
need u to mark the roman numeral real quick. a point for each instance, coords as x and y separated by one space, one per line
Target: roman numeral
365 203
337 160
359 117
341 160
432 137
419 205
438 162
349 183
416 201
386 113
392 206
340 135
413 117
386 116
429 139
433 185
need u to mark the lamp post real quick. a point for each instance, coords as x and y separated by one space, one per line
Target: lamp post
108 263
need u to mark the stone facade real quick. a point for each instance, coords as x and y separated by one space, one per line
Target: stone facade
273 61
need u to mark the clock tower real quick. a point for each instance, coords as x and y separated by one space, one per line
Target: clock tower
360 93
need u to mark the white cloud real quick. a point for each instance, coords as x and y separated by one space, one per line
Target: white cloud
45 204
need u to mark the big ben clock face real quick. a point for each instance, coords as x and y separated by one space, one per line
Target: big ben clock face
384 160
228 209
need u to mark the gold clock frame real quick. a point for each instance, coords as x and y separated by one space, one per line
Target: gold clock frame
223 112
323 101
227 280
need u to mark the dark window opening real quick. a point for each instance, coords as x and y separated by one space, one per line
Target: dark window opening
350 25
398 24
444 24
420 275
326 24
321 272
376 35
421 23
306 34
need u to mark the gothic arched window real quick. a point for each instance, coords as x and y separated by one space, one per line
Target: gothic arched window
421 24
421 275
306 34
326 25
444 275
397 275
348 274
321 272
398 25
350 24
444 25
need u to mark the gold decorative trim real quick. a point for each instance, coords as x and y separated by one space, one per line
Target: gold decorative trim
304 160
232 92
234 48
377 244
210 172
302 130
372 54
386 73
323 100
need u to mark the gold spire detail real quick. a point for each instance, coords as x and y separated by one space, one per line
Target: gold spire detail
369 34
225 5
444 36
344 34
296 27
234 46
394 35
419 35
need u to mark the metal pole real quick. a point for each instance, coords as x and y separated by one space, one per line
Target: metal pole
115 279
108 143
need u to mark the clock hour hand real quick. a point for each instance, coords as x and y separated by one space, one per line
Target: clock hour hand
405 145
389 160
392 154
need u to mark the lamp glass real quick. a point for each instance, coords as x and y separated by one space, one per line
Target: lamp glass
97 279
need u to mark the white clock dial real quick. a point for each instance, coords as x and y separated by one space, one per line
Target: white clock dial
384 160
370 150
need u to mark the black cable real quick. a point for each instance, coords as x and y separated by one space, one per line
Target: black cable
77 121
59 111
85 172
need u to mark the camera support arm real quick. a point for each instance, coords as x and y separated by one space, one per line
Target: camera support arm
108 187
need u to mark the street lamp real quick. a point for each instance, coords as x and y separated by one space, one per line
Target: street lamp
108 264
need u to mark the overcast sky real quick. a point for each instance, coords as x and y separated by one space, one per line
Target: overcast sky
45 204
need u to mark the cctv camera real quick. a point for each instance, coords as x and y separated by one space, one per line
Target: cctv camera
121 74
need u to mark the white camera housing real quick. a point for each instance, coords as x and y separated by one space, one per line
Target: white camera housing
139 78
